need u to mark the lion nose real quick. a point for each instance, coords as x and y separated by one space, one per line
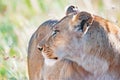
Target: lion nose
40 48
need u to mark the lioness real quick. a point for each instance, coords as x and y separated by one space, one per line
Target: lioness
49 67
90 41
35 59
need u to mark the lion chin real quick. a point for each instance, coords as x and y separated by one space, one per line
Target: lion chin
48 61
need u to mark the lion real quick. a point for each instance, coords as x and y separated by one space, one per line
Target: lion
35 59
43 64
89 40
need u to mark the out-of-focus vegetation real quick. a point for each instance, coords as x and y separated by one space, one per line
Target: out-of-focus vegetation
20 18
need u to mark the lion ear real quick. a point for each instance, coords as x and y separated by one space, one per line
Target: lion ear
87 17
82 20
71 9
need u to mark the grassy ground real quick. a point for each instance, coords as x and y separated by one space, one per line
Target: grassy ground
20 18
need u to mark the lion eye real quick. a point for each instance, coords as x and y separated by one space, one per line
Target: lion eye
55 32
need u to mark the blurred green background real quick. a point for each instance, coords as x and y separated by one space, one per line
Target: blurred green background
20 18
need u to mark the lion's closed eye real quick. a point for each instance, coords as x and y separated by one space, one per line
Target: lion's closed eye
55 32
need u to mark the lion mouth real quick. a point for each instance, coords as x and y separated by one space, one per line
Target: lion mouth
55 58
